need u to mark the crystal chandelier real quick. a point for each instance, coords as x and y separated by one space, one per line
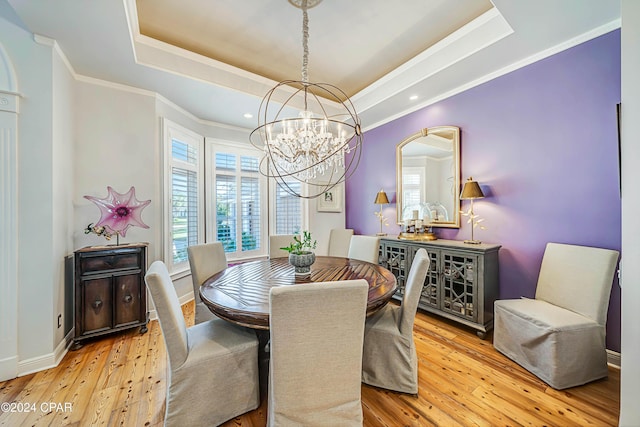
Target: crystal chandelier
321 146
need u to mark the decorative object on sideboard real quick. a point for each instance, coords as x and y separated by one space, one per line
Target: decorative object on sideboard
301 254
472 191
312 145
381 199
416 224
118 212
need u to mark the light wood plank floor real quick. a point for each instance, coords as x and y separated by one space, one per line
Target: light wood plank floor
120 380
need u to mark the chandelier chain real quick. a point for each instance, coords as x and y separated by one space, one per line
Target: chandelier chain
305 42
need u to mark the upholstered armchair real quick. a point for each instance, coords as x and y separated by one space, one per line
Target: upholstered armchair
213 366
560 335
339 241
364 248
205 260
278 241
389 357
316 354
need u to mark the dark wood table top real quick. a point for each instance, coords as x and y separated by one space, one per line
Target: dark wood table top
240 294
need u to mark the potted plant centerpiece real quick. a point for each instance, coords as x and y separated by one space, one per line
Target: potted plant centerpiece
301 254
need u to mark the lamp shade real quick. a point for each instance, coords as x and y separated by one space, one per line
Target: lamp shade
381 198
471 190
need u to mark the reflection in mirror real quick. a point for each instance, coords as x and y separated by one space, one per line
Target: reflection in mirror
428 177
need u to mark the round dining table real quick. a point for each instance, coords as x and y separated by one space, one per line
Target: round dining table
240 293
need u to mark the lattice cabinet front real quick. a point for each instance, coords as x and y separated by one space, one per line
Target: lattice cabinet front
394 257
462 282
459 285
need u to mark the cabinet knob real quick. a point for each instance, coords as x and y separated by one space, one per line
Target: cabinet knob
127 298
97 304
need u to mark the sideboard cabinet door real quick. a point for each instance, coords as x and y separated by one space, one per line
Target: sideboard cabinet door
95 303
110 293
462 283
394 256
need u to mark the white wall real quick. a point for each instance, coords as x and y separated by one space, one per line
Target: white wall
62 183
9 104
115 145
321 223
44 135
630 346
119 144
36 266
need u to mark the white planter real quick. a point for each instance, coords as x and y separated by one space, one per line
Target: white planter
302 262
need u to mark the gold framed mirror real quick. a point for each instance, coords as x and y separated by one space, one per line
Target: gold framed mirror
428 177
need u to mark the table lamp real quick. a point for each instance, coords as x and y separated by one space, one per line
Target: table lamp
471 191
381 199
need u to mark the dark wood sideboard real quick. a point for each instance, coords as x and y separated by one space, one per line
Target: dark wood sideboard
462 282
110 293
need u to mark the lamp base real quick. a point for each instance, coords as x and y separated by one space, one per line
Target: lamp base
472 242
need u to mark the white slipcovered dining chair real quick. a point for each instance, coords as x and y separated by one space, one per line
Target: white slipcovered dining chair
389 356
316 354
339 241
278 241
560 335
213 366
365 248
205 261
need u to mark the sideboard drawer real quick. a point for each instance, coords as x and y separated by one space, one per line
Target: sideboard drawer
95 264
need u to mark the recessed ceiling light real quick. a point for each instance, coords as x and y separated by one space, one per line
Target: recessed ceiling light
248 115
413 97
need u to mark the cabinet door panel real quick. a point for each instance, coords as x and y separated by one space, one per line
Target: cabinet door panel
127 298
97 311
395 259
430 290
459 285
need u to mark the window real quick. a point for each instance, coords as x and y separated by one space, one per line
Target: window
413 186
235 207
237 197
184 216
288 210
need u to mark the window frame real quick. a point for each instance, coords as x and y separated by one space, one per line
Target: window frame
173 131
304 207
214 146
421 187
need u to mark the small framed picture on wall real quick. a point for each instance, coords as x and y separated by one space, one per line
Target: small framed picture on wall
330 200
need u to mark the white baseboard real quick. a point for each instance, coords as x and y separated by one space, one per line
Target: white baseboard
613 358
46 361
8 368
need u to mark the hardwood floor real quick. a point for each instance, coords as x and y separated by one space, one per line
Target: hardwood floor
120 380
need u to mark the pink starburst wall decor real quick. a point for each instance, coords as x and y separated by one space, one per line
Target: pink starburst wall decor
118 212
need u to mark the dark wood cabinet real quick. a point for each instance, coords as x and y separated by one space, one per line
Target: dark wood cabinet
462 282
110 293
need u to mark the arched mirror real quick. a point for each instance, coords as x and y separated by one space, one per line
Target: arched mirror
428 177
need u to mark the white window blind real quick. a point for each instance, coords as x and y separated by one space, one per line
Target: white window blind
184 210
288 210
184 219
413 186
238 193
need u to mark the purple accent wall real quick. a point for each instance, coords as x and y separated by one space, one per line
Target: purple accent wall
542 143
